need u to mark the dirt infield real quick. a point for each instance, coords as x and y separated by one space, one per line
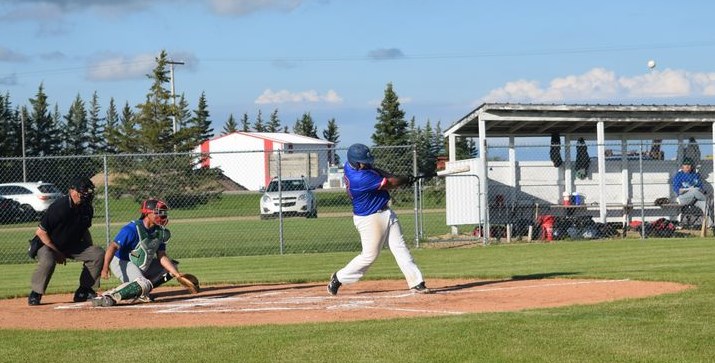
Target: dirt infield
308 303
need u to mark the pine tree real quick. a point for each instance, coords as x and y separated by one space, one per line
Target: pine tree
274 124
95 128
43 136
245 125
111 133
76 133
127 132
230 126
391 127
391 130
259 126
9 136
331 134
201 121
154 116
305 126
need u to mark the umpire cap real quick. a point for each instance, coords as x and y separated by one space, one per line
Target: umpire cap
359 153
82 185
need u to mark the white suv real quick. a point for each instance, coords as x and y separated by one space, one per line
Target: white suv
295 198
37 196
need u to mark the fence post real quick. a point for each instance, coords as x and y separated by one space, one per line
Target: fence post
415 198
106 198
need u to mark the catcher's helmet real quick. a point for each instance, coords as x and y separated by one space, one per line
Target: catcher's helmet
359 153
158 207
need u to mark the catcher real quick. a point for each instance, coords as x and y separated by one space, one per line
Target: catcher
137 256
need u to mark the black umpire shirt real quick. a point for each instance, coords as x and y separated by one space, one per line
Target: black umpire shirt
66 223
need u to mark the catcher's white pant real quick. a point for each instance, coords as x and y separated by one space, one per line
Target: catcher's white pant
374 230
127 271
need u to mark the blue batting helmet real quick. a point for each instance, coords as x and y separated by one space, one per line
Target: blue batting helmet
359 153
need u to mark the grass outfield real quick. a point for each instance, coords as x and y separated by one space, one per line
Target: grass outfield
670 328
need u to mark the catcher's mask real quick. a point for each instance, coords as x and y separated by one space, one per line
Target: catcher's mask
85 188
159 208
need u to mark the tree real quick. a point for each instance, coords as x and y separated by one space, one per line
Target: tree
391 127
245 125
76 133
331 134
201 121
305 126
274 124
391 130
43 136
127 132
111 133
259 126
230 126
95 128
154 116
9 128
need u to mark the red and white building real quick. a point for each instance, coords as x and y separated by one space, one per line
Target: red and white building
251 159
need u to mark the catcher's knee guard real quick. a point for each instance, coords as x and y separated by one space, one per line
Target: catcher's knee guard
131 290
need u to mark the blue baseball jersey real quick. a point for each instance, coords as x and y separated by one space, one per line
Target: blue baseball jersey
363 187
686 180
128 239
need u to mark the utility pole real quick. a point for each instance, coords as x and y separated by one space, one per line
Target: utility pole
171 64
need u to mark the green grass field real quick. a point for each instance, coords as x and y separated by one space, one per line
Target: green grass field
669 328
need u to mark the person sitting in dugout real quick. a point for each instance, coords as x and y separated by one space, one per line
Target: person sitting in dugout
137 256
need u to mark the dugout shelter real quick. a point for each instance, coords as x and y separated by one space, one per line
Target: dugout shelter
598 124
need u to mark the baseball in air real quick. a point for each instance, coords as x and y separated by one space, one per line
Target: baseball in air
651 64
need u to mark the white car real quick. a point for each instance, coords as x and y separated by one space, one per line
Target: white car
294 198
37 196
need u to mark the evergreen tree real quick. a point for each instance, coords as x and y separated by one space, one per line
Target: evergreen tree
245 125
202 122
185 138
127 132
259 126
274 124
154 117
391 130
9 136
76 134
391 127
43 136
305 126
331 134
230 126
111 132
97 143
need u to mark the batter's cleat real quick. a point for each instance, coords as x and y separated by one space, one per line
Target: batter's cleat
421 289
103 301
83 294
334 285
34 298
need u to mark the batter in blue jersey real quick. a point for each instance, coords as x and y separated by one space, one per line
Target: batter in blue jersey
367 188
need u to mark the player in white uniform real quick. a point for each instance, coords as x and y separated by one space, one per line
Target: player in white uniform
375 221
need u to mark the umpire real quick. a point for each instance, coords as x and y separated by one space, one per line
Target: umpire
64 233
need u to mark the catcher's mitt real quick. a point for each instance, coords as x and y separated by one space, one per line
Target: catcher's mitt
190 282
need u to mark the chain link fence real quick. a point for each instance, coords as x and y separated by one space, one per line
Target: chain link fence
223 203
559 191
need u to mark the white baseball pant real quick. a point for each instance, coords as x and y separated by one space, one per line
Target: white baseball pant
374 230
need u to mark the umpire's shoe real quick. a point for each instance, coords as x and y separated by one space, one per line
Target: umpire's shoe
83 294
34 298
334 285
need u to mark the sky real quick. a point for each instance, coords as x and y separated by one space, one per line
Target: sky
334 58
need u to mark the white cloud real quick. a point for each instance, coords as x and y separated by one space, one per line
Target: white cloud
113 67
7 55
385 53
119 67
9 80
243 7
603 85
285 96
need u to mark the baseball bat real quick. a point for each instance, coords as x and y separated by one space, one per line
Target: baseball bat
461 169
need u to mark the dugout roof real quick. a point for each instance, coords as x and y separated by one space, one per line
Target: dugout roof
535 120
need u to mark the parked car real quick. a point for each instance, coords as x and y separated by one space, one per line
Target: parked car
295 198
31 196
12 212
